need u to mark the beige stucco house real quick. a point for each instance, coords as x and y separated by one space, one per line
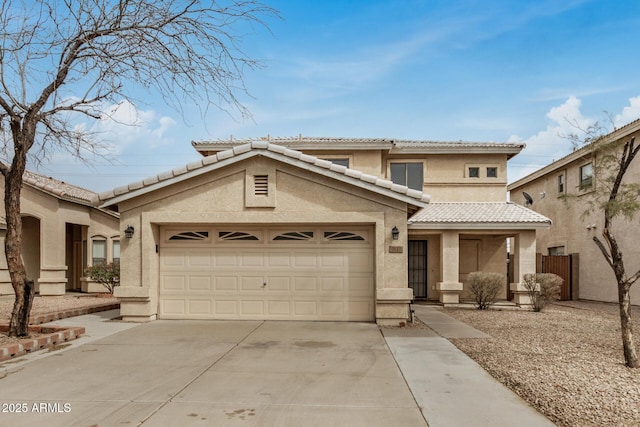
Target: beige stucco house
318 229
63 233
562 191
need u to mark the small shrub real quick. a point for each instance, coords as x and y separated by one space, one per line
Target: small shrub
108 275
485 288
548 290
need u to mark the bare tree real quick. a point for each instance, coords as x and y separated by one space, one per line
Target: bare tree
616 198
61 60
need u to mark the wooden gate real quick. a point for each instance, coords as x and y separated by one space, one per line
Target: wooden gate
562 265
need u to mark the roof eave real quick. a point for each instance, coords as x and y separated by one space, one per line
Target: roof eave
123 194
509 151
478 226
583 152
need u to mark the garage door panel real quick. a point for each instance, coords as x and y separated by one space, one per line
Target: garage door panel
279 260
200 283
360 261
173 306
174 259
305 260
226 283
173 282
305 284
278 284
332 285
199 260
360 284
332 308
200 307
278 308
251 283
332 261
226 308
305 308
252 259
225 260
361 309
252 307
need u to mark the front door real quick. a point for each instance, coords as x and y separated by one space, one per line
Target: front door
418 267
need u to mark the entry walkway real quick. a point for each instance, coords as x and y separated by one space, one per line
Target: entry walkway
450 388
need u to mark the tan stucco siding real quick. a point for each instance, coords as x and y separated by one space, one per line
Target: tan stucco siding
366 161
573 230
302 197
45 250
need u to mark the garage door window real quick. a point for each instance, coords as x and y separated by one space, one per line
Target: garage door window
190 235
237 235
342 235
295 235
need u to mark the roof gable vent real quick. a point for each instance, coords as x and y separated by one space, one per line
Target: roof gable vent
261 185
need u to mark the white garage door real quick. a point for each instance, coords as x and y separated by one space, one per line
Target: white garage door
297 273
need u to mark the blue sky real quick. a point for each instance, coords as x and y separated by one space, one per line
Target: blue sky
487 70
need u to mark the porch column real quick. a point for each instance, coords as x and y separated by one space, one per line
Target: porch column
52 278
524 263
450 288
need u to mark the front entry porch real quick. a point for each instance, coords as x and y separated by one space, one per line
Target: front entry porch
442 250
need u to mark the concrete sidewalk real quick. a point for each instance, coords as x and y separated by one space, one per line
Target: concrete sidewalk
449 387
97 326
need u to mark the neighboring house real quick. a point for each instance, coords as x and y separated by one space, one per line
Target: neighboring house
62 234
562 191
319 229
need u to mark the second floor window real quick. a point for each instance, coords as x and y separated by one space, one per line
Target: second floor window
409 174
560 183
341 162
586 176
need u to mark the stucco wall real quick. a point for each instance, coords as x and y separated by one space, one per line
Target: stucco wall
219 198
49 257
570 229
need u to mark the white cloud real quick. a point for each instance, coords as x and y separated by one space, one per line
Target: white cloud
629 113
124 124
551 143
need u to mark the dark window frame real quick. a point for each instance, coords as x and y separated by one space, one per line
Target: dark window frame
404 173
586 179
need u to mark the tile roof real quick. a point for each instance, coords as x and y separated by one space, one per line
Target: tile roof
585 151
310 142
295 140
58 188
267 149
485 214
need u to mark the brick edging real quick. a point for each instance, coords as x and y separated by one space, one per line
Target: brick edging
50 317
52 335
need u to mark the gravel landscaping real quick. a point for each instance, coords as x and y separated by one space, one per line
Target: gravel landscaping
566 361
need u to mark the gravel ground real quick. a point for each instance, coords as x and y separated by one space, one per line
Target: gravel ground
50 304
566 361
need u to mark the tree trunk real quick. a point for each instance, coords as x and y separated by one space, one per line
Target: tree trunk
22 286
628 346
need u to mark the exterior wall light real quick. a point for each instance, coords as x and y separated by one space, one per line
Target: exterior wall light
395 233
128 232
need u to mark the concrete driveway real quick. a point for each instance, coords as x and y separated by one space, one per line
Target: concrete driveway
216 373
